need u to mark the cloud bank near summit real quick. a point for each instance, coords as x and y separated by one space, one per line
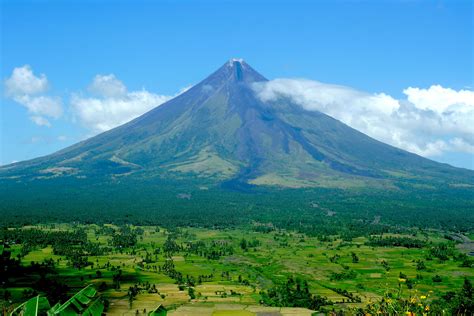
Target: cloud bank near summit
428 122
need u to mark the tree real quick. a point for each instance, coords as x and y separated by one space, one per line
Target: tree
420 265
191 293
243 244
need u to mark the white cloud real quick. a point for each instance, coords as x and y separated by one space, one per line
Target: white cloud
428 122
439 99
26 89
113 105
41 121
107 86
41 105
23 81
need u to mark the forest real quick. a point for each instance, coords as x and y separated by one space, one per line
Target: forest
185 246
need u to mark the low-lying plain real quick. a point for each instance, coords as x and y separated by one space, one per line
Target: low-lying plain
232 271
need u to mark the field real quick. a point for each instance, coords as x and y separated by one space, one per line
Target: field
197 271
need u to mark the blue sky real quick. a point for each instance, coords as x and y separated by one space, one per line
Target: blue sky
161 47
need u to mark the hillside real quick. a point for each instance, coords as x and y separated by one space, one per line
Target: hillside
219 131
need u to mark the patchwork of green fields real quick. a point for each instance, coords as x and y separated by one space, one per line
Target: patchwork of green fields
228 281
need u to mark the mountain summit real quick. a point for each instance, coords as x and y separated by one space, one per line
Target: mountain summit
220 131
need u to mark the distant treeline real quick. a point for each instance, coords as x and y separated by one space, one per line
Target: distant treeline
314 211
395 242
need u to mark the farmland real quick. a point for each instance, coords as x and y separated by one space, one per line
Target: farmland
231 271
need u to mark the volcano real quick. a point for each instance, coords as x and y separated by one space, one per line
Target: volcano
220 132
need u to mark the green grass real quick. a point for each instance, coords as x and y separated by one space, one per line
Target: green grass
278 256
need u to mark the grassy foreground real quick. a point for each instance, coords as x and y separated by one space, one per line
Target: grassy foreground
195 271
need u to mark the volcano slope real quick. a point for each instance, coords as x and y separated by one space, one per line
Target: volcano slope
220 147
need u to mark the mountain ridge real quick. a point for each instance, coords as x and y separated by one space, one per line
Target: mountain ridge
219 129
